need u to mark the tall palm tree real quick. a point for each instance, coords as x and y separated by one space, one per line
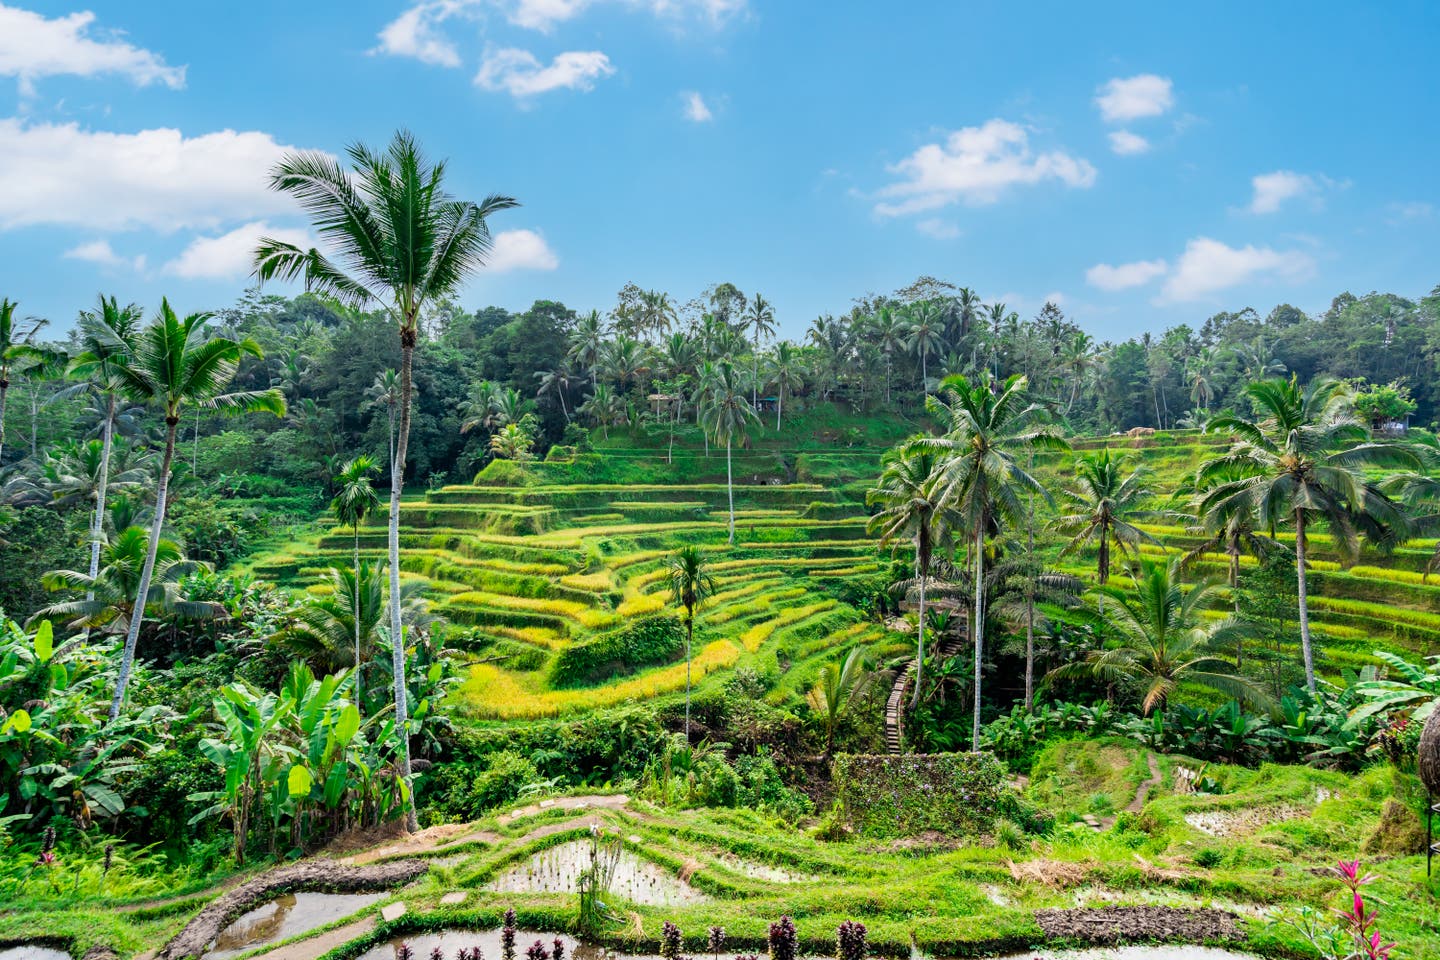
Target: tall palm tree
107 341
787 374
1104 501
18 353
480 409
1165 640
624 360
111 596
677 360
988 427
402 243
889 332
1078 359
908 511
73 473
690 583
924 335
761 319
602 407
1257 360
586 342
556 382
657 312
1301 459
175 365
384 391
839 687
355 499
1200 371
728 416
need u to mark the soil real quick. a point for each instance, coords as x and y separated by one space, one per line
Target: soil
197 935
1110 925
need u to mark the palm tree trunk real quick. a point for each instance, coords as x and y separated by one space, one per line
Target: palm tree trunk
779 406
355 613
689 641
1235 598
924 371
97 523
4 392
730 490
919 645
137 615
979 627
397 640
1304 606
195 447
392 437
1104 554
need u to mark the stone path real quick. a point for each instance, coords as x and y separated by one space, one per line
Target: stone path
895 706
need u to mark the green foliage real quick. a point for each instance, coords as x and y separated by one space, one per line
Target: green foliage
903 794
646 642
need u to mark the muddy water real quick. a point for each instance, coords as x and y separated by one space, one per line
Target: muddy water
286 917
556 869
33 953
1163 952
451 942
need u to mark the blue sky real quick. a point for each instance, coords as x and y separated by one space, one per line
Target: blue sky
1146 164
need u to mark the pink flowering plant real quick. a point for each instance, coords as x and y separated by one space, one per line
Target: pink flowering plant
1353 933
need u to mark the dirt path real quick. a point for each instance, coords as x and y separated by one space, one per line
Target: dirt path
1142 793
320 945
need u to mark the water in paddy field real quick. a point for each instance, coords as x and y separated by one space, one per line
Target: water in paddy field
451 942
1172 951
33 953
282 918
556 869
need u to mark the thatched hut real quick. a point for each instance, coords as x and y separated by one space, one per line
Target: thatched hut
1430 752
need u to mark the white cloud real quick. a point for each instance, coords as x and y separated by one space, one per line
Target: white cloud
100 252
1130 98
1273 189
230 255
415 33
521 75
1127 144
520 250
1410 210
937 228
1126 275
1209 266
976 165
59 174
696 110
32 47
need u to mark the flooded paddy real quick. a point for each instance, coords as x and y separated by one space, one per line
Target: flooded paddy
285 917
555 870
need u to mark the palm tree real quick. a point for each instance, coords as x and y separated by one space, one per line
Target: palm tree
384 391
1302 459
586 342
908 511
787 374
112 595
727 417
924 330
73 474
601 407
107 340
512 442
690 583
1078 359
1165 640
761 319
1104 501
1257 360
18 353
889 331
355 499
556 381
624 361
402 242
839 687
174 364
480 409
1200 371
657 312
979 475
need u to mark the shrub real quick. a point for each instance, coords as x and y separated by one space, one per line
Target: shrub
901 795
646 642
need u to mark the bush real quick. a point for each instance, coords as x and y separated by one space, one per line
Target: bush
901 795
460 796
646 642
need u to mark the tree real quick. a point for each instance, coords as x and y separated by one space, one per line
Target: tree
924 328
355 499
908 511
787 374
1078 359
690 583
761 319
18 353
1104 503
107 341
1165 640
512 442
555 382
1301 459
839 687
111 595
889 331
384 391
602 407
586 342
402 243
979 476
1200 371
174 365
727 417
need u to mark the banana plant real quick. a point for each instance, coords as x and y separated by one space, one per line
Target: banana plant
246 754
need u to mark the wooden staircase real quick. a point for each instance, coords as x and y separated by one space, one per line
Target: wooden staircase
895 706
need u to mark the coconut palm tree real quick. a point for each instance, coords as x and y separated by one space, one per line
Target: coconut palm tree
980 476
728 416
1165 640
175 365
924 329
1104 501
839 687
74 472
1079 357
18 353
586 341
888 329
690 584
355 499
602 407
512 442
908 511
107 341
787 374
1257 360
111 596
624 361
760 317
556 382
1201 370
1301 459
480 409
402 242
384 391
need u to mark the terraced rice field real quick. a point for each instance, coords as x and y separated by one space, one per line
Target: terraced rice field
524 571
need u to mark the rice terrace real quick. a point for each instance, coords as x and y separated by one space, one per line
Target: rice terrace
1021 575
